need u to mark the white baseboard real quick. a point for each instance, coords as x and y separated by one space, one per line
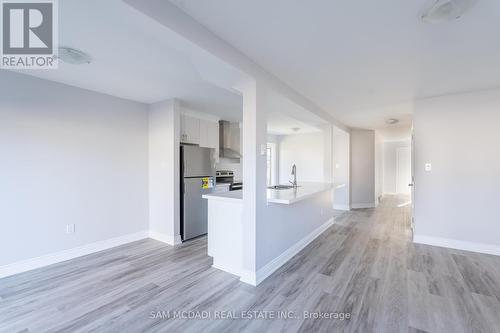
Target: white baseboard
249 277
341 207
457 244
363 205
256 278
168 239
229 270
53 258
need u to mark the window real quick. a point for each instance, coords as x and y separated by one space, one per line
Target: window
271 164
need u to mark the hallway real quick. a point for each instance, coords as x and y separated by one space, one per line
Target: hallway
364 265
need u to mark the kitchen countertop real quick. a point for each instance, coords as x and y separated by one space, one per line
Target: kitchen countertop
225 196
287 197
293 195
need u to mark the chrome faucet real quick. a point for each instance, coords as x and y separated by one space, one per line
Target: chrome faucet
294 173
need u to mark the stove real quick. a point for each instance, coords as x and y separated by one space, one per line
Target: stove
227 177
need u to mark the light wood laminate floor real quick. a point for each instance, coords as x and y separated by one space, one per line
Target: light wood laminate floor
364 265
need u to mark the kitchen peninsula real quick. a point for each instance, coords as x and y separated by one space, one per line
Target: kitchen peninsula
294 216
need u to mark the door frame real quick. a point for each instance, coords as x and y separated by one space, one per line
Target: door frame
412 190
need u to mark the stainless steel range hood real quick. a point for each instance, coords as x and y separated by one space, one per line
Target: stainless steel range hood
229 140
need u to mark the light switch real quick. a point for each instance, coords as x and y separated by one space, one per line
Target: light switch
70 229
428 167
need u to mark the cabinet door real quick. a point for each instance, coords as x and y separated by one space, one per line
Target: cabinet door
213 135
190 130
183 129
209 134
204 135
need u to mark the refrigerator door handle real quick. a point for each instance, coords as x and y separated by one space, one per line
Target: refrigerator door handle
183 167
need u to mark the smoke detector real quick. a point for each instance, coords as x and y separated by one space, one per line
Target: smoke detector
391 121
447 10
73 56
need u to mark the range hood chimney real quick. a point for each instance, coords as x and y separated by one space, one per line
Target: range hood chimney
229 140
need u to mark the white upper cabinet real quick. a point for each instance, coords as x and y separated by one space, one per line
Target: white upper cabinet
202 132
190 129
213 136
209 134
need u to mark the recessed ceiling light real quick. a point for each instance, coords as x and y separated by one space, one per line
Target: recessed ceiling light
73 56
447 10
391 121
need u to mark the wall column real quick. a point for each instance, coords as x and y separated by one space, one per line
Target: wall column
254 173
164 178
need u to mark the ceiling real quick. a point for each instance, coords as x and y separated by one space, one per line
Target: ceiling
132 59
283 124
286 116
362 61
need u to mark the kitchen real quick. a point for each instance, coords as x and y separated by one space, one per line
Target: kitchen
297 188
210 162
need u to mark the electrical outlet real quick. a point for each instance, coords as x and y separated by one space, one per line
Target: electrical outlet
70 228
428 166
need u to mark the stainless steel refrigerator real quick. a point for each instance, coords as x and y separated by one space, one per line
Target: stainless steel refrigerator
197 178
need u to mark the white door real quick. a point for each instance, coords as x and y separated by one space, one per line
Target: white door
412 188
403 170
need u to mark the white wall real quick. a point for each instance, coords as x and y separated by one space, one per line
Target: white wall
456 203
68 155
164 164
306 152
328 154
390 164
282 226
362 168
341 168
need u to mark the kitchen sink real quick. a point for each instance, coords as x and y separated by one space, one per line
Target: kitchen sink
280 187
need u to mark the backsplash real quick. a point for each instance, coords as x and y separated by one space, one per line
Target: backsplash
234 167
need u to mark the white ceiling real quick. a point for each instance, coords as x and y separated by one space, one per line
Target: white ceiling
132 59
283 124
361 60
286 115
